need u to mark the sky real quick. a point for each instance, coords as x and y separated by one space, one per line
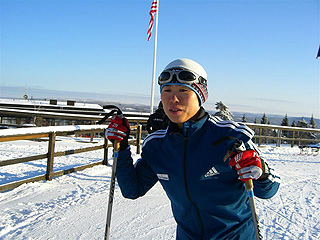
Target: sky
260 55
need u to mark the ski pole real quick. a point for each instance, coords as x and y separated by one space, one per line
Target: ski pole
112 187
116 147
239 147
249 187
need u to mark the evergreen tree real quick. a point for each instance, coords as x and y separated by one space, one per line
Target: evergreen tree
223 111
264 119
265 132
293 124
244 119
312 123
302 123
256 130
285 121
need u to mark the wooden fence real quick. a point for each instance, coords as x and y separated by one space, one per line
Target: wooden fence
52 132
294 132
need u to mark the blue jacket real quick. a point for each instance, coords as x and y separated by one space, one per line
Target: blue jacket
208 201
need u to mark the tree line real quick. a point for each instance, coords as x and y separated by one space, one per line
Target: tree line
224 113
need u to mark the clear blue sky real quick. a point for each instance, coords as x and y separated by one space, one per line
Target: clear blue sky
259 54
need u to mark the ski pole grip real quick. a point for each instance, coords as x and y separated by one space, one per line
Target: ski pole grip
116 145
249 185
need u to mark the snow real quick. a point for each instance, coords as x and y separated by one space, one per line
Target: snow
74 206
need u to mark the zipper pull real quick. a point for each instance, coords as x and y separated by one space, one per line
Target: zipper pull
186 126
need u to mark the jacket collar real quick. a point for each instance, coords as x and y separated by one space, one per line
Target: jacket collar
191 126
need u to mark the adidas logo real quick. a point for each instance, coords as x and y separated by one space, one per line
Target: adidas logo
211 172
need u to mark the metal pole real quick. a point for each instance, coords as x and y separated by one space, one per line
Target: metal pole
112 187
249 187
154 59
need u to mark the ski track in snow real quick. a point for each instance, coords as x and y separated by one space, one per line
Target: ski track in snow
74 206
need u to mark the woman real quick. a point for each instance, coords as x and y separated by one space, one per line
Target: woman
207 193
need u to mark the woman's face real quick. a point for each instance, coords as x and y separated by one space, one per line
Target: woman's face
180 103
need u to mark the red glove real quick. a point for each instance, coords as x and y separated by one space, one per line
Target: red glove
118 129
248 165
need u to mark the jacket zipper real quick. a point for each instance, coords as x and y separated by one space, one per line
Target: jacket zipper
185 133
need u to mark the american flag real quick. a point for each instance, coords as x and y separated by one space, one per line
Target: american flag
152 13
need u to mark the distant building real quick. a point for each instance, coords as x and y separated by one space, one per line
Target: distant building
24 112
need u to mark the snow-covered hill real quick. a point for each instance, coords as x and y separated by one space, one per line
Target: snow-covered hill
74 206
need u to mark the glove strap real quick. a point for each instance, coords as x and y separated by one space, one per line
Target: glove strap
265 171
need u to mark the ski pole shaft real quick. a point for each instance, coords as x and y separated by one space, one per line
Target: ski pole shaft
249 187
112 187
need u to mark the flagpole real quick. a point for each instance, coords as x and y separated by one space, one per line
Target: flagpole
154 59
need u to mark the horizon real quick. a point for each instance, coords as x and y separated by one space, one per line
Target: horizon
122 98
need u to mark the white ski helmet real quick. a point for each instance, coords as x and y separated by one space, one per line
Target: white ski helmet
200 88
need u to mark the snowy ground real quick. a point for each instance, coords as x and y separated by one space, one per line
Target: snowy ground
74 206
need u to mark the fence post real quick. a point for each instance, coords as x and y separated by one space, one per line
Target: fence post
18 121
292 143
260 133
52 140
91 134
279 138
105 152
138 137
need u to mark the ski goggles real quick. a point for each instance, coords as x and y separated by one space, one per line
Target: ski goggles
182 76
